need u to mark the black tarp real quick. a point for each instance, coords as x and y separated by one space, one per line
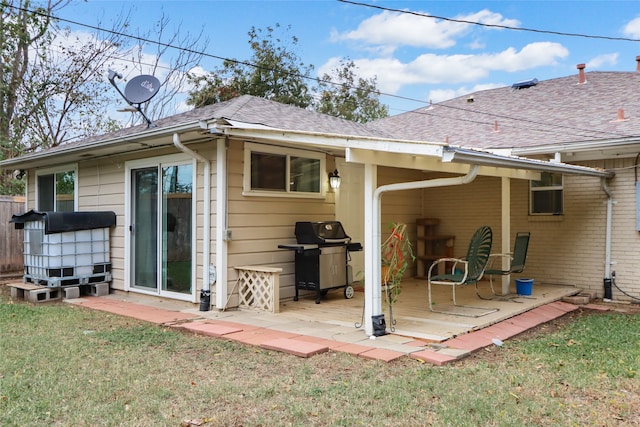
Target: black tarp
60 222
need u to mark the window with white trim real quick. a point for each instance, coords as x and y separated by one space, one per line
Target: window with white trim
546 195
282 171
56 189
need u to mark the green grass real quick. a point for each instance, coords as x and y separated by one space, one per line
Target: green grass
65 365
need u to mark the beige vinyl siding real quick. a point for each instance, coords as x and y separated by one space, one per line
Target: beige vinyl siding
101 188
259 224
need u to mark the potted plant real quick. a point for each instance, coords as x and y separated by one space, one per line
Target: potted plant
396 253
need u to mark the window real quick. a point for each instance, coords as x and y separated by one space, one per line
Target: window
547 195
279 171
56 190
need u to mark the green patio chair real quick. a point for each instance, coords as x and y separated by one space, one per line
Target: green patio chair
467 271
517 260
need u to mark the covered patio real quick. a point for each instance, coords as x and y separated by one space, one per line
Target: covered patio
411 315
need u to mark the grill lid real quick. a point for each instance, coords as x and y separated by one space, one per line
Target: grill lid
321 232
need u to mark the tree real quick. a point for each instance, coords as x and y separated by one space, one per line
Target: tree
274 72
67 89
20 29
342 96
54 88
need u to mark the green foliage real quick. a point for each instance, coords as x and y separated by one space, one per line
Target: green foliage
19 31
341 95
276 73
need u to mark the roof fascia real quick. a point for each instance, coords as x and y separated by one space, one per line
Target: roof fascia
432 164
601 144
483 158
328 140
36 159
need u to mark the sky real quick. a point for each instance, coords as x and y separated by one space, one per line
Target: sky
415 59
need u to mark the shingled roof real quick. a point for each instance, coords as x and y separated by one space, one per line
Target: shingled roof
561 110
258 111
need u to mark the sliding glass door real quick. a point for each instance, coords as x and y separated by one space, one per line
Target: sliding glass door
161 229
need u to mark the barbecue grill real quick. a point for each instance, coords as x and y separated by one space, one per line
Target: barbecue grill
322 258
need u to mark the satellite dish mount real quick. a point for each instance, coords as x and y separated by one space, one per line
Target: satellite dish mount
138 90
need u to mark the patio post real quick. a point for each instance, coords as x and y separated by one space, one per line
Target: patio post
372 299
506 230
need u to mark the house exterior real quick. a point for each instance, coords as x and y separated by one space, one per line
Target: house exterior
222 186
591 236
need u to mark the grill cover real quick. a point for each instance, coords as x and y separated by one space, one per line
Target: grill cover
321 233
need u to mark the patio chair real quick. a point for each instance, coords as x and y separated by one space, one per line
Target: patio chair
467 271
516 260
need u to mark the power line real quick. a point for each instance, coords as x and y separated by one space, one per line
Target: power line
500 26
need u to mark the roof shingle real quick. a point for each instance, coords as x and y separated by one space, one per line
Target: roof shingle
553 111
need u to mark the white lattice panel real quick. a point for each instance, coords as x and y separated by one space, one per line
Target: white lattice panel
259 287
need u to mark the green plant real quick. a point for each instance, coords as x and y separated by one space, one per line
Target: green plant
396 251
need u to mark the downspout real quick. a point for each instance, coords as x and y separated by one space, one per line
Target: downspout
205 294
373 294
222 233
607 261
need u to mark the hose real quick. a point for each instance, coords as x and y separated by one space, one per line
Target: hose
613 278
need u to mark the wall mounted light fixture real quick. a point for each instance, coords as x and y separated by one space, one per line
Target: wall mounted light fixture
334 179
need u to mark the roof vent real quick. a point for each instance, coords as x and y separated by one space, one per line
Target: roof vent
524 84
582 78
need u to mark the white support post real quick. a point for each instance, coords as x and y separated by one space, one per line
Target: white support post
506 231
372 305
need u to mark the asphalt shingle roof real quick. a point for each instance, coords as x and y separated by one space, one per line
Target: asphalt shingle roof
255 110
553 111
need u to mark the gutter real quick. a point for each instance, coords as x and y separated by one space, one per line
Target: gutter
73 148
483 158
205 296
373 294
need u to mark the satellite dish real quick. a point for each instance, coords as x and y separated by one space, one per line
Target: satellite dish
141 89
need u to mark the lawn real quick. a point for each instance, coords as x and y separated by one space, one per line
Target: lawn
65 365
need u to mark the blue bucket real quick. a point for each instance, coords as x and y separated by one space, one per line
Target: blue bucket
524 286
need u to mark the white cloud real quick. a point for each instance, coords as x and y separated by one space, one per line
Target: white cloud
392 74
393 29
632 29
601 60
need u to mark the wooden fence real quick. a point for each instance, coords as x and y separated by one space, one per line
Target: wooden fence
11 240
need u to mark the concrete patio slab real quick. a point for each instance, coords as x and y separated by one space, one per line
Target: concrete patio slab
307 332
